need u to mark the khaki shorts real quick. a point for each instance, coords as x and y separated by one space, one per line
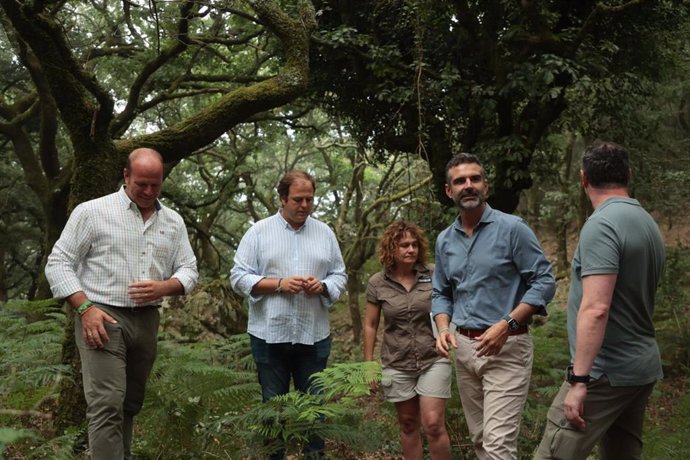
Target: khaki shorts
434 381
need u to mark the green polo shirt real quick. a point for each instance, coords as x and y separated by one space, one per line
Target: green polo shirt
621 237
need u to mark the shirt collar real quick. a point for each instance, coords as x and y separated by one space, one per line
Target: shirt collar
420 269
488 216
287 224
616 199
127 202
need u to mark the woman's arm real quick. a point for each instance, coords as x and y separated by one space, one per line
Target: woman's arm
372 317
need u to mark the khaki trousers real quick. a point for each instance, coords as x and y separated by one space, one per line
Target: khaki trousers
493 391
115 378
613 417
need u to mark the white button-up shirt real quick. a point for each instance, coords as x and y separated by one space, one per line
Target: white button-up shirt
106 246
271 248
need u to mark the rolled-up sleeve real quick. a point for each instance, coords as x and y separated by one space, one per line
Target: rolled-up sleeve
442 291
245 271
185 267
534 268
336 279
68 251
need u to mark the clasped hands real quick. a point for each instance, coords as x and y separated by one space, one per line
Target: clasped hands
310 285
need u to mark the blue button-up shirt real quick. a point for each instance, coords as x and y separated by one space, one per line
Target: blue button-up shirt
271 248
481 278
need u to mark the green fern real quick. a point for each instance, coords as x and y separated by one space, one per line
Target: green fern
11 435
189 389
30 370
290 420
30 356
60 447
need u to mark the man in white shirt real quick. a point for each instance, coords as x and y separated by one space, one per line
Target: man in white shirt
290 267
117 257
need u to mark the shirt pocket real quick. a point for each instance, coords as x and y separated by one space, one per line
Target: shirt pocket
423 292
162 245
393 303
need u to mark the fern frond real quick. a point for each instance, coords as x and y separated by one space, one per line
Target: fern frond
347 379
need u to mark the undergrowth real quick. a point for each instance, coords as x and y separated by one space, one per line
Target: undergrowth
203 400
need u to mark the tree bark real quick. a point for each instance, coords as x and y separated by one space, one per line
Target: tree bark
353 291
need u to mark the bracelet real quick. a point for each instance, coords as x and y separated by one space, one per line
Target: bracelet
279 288
443 329
85 310
83 307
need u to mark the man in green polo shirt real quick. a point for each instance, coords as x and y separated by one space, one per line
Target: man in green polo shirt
615 358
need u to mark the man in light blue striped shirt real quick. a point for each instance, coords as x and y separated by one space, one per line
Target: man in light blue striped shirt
290 267
117 257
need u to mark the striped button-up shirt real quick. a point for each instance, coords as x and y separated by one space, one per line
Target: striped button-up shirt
271 248
106 246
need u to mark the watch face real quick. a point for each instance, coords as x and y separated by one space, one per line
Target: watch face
512 323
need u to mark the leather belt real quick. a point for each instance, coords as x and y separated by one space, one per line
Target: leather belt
134 309
474 333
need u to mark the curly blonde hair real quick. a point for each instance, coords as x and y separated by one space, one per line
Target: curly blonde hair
392 236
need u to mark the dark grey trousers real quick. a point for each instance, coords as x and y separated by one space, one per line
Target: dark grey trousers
115 378
614 418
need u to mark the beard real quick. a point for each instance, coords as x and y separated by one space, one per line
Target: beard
462 201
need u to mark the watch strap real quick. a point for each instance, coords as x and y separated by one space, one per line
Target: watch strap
570 377
512 323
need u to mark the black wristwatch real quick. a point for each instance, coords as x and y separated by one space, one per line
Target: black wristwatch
324 289
572 378
513 325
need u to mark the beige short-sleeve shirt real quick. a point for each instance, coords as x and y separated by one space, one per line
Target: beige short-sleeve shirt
408 339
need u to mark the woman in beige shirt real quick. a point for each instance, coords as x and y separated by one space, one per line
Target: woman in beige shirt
415 378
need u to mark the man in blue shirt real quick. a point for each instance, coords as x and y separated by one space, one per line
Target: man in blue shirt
290 267
491 276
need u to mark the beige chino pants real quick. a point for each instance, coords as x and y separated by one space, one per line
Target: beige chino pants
493 391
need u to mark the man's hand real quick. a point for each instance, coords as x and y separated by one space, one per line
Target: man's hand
147 291
293 284
492 340
574 405
93 328
313 286
444 341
